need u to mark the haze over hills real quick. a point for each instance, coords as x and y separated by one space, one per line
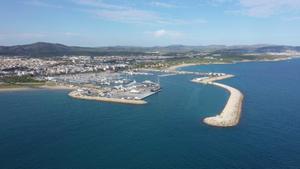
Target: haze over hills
44 49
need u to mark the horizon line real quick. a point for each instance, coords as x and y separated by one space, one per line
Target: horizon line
227 45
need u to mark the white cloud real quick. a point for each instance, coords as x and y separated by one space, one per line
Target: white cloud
266 8
131 15
261 8
216 3
41 3
128 14
166 33
118 13
99 4
160 33
163 4
294 18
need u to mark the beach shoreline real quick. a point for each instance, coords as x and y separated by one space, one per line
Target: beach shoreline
14 89
26 88
175 67
57 87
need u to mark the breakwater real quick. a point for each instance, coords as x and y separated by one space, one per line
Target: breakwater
231 113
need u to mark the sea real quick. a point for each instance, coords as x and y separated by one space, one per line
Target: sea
46 129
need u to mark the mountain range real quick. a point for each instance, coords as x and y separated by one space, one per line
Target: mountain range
44 49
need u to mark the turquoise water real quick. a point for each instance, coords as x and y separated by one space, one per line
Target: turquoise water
47 129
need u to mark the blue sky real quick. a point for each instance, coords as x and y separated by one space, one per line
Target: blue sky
150 23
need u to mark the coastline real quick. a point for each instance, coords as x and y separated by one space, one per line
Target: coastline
14 89
175 67
73 94
57 87
25 88
231 113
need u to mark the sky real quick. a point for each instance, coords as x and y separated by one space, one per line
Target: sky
150 22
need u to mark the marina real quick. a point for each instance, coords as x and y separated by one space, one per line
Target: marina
121 87
109 87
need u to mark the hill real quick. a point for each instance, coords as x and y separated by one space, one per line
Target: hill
43 49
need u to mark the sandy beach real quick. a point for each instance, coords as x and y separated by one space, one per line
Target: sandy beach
57 87
14 89
49 87
74 94
231 113
173 68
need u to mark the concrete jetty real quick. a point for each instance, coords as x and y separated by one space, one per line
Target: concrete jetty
177 72
208 80
231 113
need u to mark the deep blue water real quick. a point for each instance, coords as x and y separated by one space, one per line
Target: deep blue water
47 129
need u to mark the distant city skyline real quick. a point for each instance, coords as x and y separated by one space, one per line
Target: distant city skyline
150 23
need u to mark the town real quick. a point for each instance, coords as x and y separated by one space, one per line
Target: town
110 77
95 78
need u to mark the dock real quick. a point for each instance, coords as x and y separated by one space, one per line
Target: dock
75 94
